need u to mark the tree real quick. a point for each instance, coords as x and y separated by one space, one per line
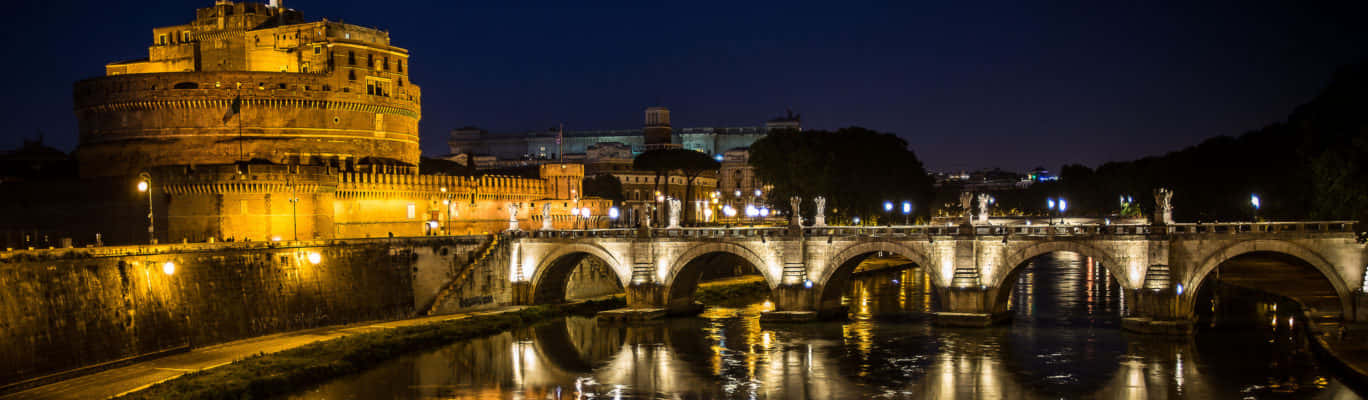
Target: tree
655 161
603 186
856 169
692 164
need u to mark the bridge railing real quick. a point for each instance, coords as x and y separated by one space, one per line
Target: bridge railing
982 230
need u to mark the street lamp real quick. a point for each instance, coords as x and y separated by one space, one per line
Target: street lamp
584 213
145 185
1050 203
613 214
574 212
907 210
1254 201
888 211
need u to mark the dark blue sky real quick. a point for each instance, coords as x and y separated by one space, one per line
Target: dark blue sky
968 84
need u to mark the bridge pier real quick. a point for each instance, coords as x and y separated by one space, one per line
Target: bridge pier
970 307
1161 311
792 303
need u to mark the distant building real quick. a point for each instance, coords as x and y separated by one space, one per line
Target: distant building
542 145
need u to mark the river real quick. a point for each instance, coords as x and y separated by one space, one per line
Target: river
1064 342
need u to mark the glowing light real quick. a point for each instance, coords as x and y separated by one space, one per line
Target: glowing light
1063 205
751 211
729 211
857 220
764 211
1180 289
738 193
142 186
169 268
432 224
1050 203
315 258
1254 200
807 283
584 212
888 206
757 192
575 212
907 207
443 190
613 212
275 238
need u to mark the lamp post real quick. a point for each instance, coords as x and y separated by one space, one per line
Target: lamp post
613 214
1254 201
574 213
1050 204
907 211
145 185
888 212
584 213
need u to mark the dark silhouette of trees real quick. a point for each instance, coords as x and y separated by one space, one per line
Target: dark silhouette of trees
1314 165
603 186
856 169
665 163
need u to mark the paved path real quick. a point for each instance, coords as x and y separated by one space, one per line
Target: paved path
118 381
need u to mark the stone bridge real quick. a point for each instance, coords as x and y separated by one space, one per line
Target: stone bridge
973 268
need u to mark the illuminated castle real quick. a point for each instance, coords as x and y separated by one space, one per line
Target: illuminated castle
254 124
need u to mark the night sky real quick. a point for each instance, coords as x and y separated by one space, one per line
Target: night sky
968 84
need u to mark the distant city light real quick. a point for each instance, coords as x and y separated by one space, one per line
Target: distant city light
1050 203
856 220
764 211
718 158
728 211
1254 200
315 258
169 268
613 213
1063 205
888 206
757 192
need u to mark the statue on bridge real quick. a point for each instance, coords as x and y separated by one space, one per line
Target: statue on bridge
675 205
546 216
967 204
1163 207
512 216
985 200
819 219
795 219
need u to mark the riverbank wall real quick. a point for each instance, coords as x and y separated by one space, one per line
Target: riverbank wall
66 308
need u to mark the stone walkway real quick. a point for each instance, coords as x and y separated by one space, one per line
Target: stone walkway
122 380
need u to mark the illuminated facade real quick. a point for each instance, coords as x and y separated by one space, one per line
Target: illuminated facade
253 124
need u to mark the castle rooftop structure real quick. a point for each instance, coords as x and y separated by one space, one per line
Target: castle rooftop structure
249 81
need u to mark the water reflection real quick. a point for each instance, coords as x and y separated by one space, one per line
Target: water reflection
1061 345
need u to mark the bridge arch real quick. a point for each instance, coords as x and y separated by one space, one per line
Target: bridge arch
550 277
1323 265
1014 262
681 280
839 268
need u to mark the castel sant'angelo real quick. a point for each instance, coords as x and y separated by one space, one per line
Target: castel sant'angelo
251 123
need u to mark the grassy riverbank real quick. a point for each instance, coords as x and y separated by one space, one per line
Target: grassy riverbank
295 369
733 292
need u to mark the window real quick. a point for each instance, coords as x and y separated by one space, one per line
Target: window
401 65
161 40
401 82
385 63
370 88
351 58
412 211
351 75
370 60
185 37
318 49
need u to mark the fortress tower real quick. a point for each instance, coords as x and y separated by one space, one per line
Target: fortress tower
657 130
249 81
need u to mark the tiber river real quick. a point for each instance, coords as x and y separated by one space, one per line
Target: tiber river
1065 342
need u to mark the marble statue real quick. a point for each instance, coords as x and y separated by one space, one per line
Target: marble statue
512 216
675 205
966 203
1163 206
796 219
985 200
819 219
546 216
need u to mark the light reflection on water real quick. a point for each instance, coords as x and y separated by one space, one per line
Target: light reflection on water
1063 342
